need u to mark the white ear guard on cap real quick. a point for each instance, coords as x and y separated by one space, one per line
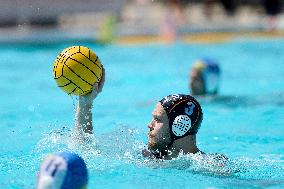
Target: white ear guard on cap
52 173
181 125
184 115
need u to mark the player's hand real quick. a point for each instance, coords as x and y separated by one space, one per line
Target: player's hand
97 88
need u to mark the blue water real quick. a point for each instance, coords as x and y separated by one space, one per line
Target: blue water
37 118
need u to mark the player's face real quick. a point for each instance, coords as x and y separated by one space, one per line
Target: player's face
196 83
159 133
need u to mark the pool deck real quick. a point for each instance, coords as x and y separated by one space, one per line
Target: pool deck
204 37
54 35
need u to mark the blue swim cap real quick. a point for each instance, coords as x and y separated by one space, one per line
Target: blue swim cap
64 170
210 72
77 175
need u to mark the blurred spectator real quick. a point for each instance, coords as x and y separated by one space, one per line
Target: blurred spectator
107 29
208 6
173 17
272 8
230 6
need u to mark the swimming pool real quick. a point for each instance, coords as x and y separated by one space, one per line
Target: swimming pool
36 116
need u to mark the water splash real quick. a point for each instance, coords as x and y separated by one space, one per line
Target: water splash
119 151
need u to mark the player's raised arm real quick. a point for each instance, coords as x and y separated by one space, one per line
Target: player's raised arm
78 71
84 109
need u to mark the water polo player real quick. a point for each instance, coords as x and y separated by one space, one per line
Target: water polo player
63 170
175 123
204 77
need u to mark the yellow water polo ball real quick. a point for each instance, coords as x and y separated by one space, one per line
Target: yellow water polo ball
76 69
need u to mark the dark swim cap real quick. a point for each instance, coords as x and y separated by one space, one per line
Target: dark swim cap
184 114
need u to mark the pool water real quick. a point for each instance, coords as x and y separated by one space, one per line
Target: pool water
245 123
